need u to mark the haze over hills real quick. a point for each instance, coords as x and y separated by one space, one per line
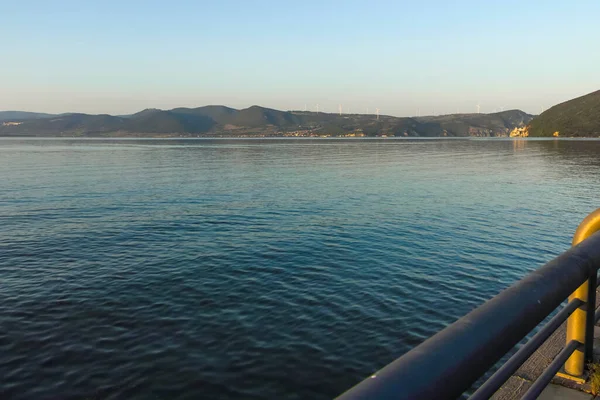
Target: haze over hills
579 117
257 121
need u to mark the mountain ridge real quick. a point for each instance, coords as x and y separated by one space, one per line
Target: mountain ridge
216 120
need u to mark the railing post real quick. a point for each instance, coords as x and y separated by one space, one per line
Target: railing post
576 330
589 319
580 325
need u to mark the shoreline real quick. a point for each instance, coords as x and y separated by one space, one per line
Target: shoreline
298 138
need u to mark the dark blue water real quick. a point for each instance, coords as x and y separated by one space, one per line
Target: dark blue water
261 269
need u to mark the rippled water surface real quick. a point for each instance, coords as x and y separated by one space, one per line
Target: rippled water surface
261 269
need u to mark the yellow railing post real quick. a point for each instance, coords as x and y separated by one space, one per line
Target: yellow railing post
577 328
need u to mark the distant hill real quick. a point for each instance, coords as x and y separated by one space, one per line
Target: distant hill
496 124
579 117
259 121
256 116
219 114
59 125
21 115
159 121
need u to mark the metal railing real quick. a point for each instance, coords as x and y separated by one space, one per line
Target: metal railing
449 363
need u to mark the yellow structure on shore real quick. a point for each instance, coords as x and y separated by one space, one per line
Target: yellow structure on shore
519 132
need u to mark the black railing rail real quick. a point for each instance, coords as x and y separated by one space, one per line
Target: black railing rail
449 363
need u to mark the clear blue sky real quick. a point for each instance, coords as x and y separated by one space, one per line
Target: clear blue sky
437 56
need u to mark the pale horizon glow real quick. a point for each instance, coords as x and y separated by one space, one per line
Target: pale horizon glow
403 58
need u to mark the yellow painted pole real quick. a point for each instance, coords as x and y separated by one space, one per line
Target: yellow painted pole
576 324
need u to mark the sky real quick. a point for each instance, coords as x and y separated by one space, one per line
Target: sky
403 57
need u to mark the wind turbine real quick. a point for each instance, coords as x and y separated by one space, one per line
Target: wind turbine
478 108
367 110
317 107
377 111
502 108
340 108
304 107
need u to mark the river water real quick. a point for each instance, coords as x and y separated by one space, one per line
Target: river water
261 269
